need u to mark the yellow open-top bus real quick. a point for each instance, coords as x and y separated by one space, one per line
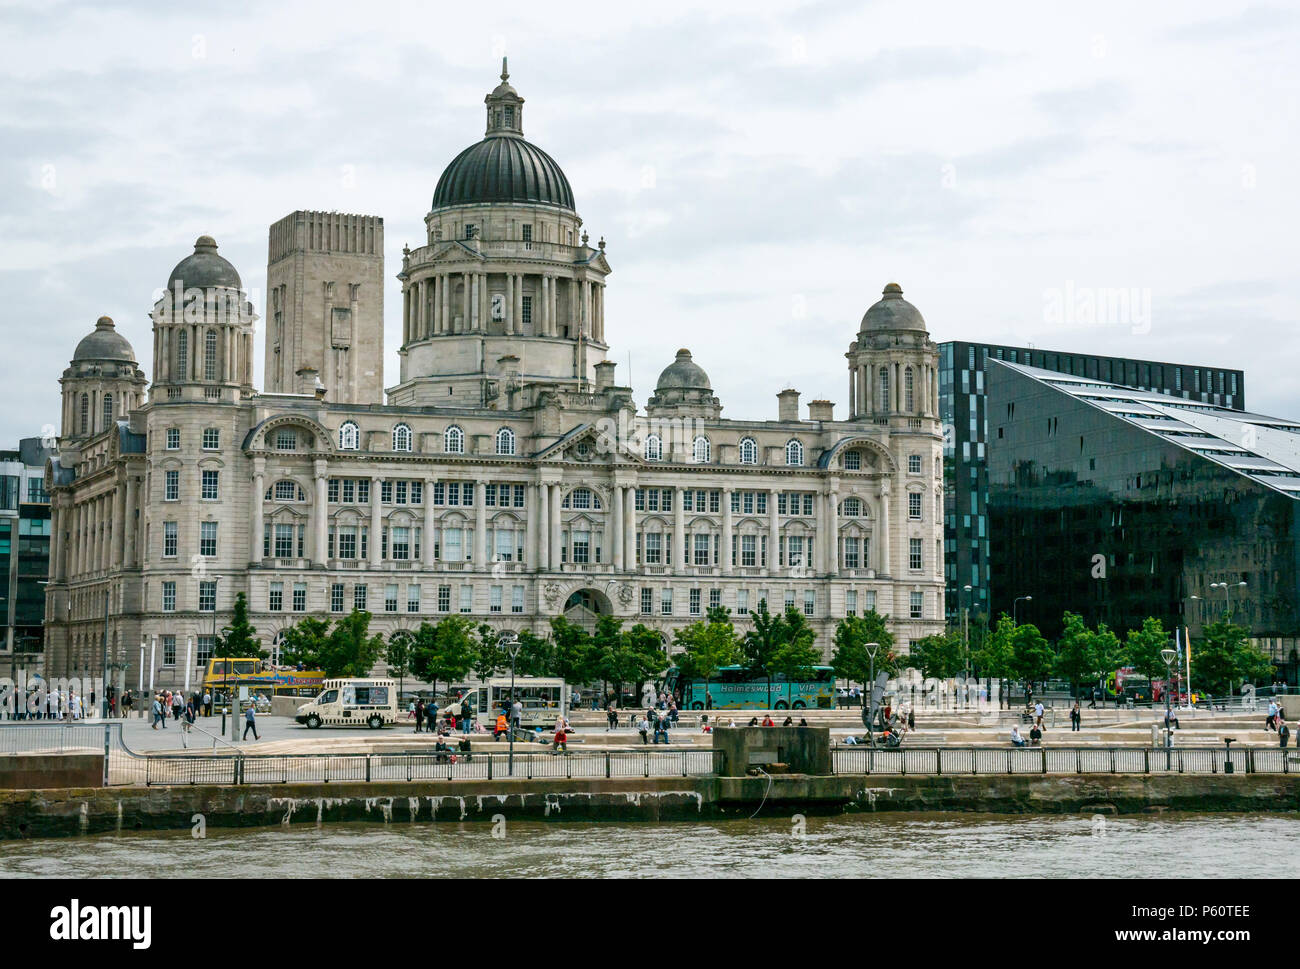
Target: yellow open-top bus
261 678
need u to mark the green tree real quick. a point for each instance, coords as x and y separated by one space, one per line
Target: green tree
1108 653
760 645
1074 652
1031 656
535 656
796 654
350 649
489 657
994 657
940 656
397 655
575 651
648 657
305 643
239 639
1144 647
850 659
708 645
445 651
1224 658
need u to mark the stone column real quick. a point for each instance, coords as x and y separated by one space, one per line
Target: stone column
255 509
727 567
882 559
444 301
320 515
56 541
555 502
629 528
542 529
679 529
481 563
430 525
376 523
530 529
616 501
553 315
773 536
119 525
831 545
509 308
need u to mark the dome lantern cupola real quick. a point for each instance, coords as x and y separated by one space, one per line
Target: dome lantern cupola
505 108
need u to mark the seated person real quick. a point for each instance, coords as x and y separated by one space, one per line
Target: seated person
753 722
1171 721
1035 736
1016 739
789 722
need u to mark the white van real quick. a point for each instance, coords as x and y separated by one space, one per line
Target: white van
352 702
543 699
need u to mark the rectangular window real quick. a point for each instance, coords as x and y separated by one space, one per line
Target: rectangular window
169 650
417 492
203 649
169 597
914 506
666 602
467 598
526 232
715 598
349 491
654 548
173 439
917 604
336 597
517 598
207 597
581 547
869 605
390 597
748 555
359 597
742 602
363 491
171 486
852 555
413 598
211 439
505 545
400 547
300 597
208 539
527 309
444 598
914 554
347 541
852 461
286 440
283 541
695 602
451 545
332 491
399 492
701 549
789 599
169 540
851 603
386 492
647 601
914 463
494 598
809 602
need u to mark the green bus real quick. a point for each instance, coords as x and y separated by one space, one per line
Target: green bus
733 688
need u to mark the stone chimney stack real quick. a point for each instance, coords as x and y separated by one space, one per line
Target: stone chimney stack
787 408
820 410
605 374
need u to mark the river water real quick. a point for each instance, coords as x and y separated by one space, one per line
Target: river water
933 845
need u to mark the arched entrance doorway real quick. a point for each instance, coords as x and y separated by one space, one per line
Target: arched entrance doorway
584 605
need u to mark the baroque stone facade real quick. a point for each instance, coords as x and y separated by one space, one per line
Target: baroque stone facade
509 477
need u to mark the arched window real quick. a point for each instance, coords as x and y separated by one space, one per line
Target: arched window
286 490
700 450
581 498
748 451
794 454
851 508
453 440
210 355
85 412
349 436
108 411
907 389
654 448
402 437
182 354
505 441
884 388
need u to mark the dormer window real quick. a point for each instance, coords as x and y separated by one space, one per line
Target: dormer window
469 230
510 117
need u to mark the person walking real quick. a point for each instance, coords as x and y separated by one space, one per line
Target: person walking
250 721
1271 721
1283 731
191 710
158 714
207 703
466 716
1038 714
178 705
516 714
418 712
431 717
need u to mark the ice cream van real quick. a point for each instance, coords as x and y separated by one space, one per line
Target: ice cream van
352 702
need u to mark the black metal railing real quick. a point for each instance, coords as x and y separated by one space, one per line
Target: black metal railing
1063 760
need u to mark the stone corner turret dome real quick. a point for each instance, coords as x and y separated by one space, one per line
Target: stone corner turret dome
104 343
683 374
503 167
892 312
204 269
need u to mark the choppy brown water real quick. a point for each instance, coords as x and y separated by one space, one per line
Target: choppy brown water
936 845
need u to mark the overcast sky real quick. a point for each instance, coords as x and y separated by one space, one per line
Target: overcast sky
758 170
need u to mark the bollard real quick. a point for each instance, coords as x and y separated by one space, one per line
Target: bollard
1227 754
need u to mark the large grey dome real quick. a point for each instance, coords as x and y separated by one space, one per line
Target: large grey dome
104 343
892 312
683 374
204 269
503 169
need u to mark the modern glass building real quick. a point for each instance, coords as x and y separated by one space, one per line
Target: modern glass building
1120 504
24 546
966 441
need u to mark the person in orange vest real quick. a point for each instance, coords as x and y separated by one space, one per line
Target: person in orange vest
501 727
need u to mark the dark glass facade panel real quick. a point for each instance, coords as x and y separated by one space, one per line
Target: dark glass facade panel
1092 514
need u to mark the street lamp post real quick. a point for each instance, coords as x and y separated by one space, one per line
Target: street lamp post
510 643
965 640
869 701
1016 605
1168 654
1227 605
